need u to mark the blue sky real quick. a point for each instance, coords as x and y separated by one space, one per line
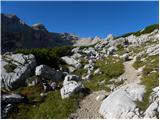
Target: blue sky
86 18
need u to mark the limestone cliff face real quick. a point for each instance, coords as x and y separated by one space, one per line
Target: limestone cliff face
17 34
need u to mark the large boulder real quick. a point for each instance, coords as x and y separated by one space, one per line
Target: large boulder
71 61
121 103
69 78
111 50
48 72
15 69
153 110
68 89
153 50
71 84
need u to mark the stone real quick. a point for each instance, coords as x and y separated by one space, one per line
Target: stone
125 57
24 65
71 61
5 110
76 56
48 73
69 88
109 37
11 98
87 77
153 50
97 71
32 81
151 110
102 96
43 94
75 78
71 69
53 85
76 50
111 50
120 104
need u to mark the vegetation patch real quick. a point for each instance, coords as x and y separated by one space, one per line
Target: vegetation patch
10 67
148 29
52 108
150 79
110 67
48 56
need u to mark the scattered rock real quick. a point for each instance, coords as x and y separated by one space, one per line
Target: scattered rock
48 72
69 88
97 71
71 61
12 98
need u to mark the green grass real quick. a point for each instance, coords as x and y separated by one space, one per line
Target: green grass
148 29
121 50
80 72
150 82
149 79
138 63
10 67
112 69
52 108
31 92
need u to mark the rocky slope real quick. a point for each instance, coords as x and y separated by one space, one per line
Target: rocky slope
17 34
112 78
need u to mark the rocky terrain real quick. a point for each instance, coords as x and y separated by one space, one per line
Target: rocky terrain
17 34
115 77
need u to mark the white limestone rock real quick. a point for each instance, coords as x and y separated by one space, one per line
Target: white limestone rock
16 78
120 103
48 72
71 61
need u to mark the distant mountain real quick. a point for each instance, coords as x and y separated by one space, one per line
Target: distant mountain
17 34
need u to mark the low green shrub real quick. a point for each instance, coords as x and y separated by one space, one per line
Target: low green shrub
48 56
148 29
150 79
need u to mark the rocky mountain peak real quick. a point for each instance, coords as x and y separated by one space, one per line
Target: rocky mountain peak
39 26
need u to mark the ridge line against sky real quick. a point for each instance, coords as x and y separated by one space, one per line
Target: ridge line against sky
86 19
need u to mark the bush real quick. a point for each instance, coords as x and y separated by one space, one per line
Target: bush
32 93
48 56
148 29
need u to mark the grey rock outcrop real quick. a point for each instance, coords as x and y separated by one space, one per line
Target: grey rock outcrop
20 66
71 84
120 103
48 72
71 61
153 109
17 34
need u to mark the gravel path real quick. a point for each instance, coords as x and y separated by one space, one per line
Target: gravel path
89 107
130 73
